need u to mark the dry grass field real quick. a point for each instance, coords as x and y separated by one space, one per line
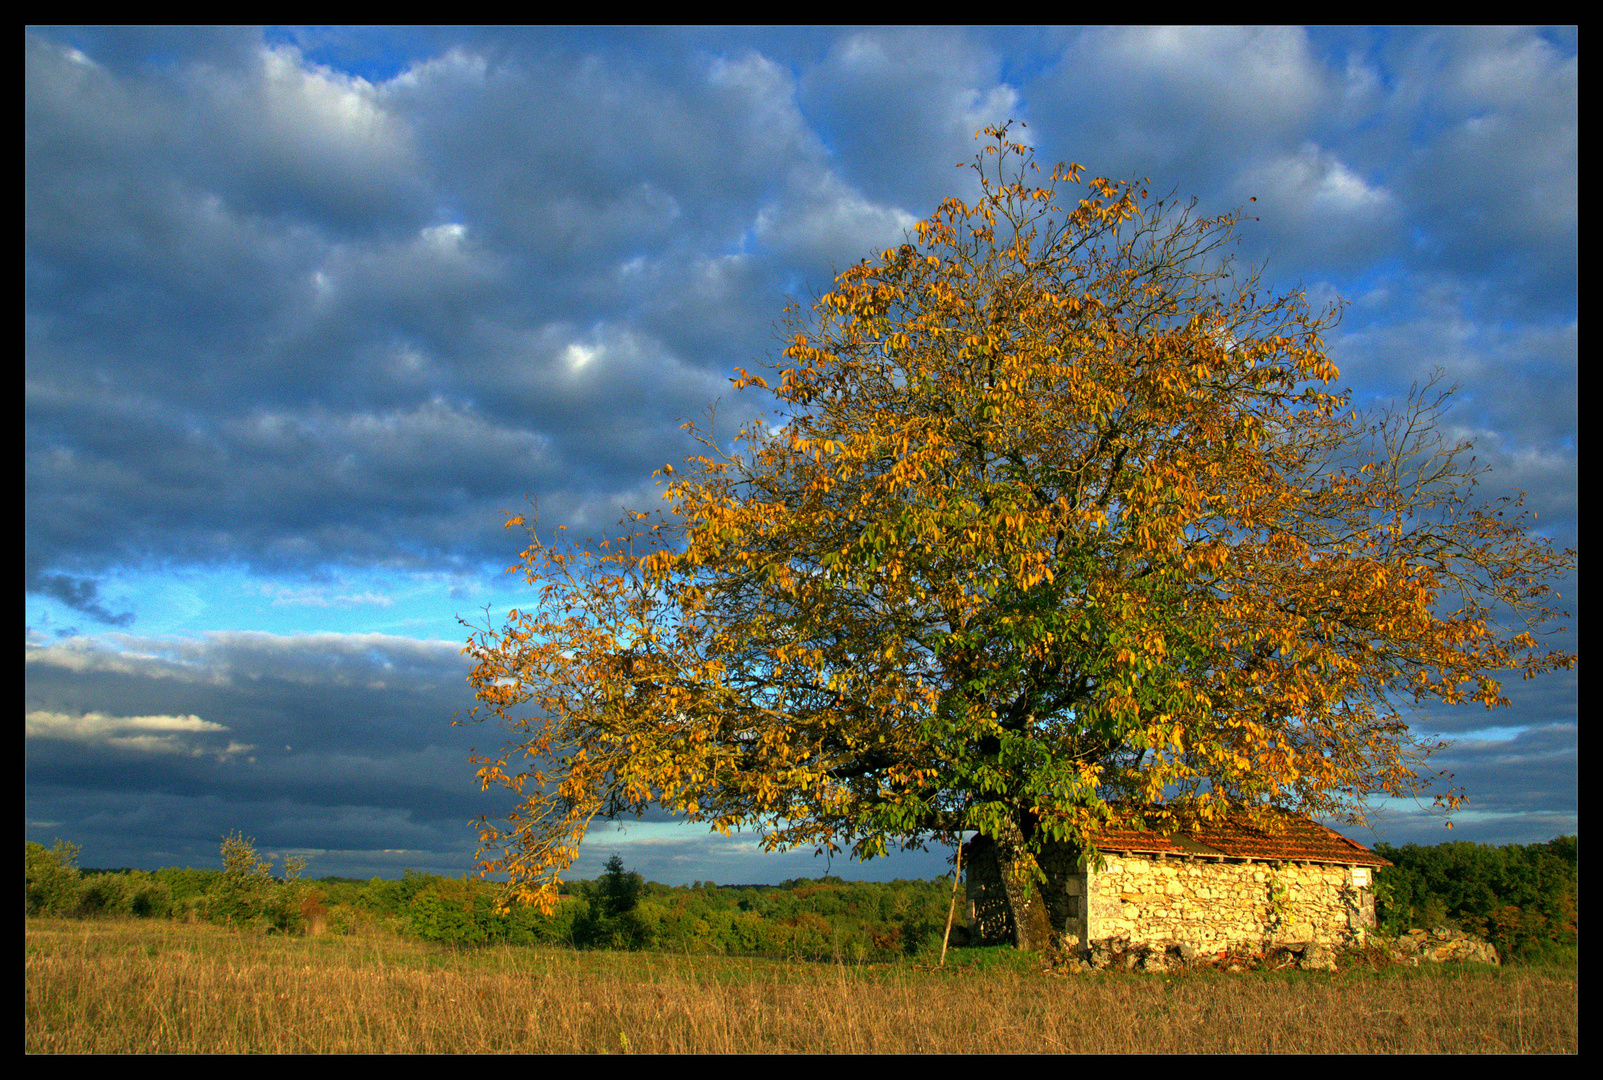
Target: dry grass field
154 986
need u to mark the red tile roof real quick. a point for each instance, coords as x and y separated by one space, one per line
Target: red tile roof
1299 839
1135 840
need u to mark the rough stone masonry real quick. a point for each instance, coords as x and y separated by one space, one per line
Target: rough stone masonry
1223 886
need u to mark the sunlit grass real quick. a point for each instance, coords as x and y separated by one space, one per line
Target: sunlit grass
131 986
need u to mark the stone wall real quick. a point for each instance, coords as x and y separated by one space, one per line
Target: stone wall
1218 904
989 920
1205 903
1437 946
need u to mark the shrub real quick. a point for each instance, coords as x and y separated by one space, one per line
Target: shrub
104 894
612 919
52 879
148 897
247 894
447 913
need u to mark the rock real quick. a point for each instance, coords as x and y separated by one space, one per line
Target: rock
1436 946
1316 957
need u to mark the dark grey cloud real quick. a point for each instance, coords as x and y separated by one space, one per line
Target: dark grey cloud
338 747
252 278
153 829
80 594
1535 771
135 50
1520 787
226 362
325 742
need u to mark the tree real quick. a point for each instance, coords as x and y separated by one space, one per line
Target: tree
1061 523
247 892
612 917
620 889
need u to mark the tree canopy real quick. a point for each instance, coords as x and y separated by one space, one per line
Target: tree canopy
1060 519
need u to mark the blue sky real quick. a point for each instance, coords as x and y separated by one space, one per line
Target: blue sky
309 310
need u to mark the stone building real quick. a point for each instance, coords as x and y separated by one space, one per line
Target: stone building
1223 886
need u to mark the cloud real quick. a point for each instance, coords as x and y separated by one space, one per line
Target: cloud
1315 208
1493 181
80 594
300 140
318 732
227 658
899 108
317 597
1171 101
833 223
139 734
152 829
234 378
1517 397
1521 788
306 312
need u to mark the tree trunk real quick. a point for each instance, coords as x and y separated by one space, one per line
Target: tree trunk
1010 906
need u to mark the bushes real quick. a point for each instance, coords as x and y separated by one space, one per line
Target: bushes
52 882
244 893
824 919
462 912
129 893
803 919
148 897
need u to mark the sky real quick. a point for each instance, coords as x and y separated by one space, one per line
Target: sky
310 312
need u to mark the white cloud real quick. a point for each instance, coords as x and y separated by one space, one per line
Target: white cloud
1317 206
139 734
1318 180
337 107
577 356
311 596
222 657
827 219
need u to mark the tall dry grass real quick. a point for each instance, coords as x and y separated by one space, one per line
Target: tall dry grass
149 986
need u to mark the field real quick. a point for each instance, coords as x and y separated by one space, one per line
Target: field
130 986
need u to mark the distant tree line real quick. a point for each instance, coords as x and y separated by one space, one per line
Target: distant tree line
825 918
1520 897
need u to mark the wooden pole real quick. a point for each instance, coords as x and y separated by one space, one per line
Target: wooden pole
957 875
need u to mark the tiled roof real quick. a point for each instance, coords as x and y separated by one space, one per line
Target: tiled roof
1300 839
1135 840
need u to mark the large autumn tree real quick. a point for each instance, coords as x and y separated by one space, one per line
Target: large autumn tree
1060 520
